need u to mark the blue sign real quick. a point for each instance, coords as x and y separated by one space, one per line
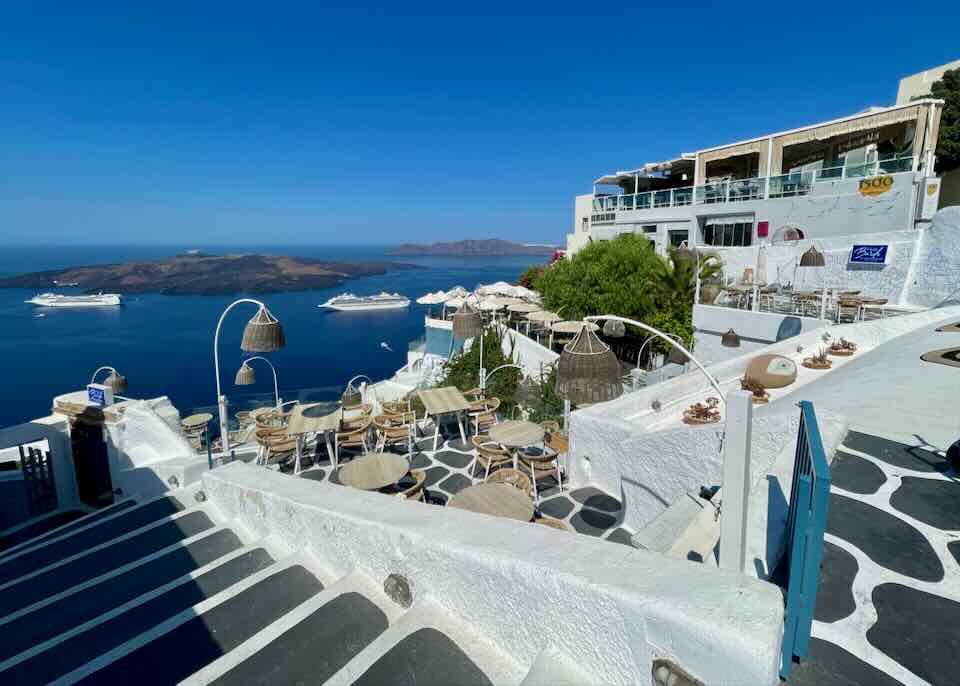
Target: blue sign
868 254
96 395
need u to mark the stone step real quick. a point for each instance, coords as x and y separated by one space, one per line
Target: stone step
98 638
98 598
35 529
174 651
427 656
76 523
59 548
68 573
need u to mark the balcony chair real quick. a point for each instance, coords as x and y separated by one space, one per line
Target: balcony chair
489 456
484 414
539 466
414 492
513 477
396 430
353 436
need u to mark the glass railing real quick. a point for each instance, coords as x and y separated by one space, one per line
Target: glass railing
790 185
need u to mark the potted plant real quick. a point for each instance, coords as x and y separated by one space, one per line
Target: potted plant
818 361
760 394
843 348
703 413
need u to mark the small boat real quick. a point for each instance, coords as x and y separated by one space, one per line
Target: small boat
347 302
59 300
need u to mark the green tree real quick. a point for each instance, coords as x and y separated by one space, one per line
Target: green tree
948 145
463 370
531 276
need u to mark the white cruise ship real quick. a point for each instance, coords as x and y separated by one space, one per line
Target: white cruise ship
60 300
350 302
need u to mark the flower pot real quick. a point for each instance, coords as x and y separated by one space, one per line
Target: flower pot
840 352
809 363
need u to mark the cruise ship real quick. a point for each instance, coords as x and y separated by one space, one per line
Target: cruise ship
60 300
350 302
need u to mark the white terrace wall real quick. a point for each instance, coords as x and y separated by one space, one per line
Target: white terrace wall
936 275
756 330
527 589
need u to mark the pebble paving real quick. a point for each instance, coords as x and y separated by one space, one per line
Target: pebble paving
894 618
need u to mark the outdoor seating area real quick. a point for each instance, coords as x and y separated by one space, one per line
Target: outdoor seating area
836 305
460 454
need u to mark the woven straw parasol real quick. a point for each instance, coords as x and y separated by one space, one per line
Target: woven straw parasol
544 317
117 383
587 370
467 322
245 376
262 334
812 258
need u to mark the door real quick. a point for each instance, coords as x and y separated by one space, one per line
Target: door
92 464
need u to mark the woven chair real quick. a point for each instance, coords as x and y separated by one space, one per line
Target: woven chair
264 436
489 455
392 408
395 430
278 448
473 395
513 477
550 426
540 466
414 492
354 436
484 415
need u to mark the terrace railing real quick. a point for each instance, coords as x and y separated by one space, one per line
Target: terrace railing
739 190
806 523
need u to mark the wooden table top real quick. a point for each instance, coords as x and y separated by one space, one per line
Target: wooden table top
516 434
314 418
373 471
195 420
499 500
443 400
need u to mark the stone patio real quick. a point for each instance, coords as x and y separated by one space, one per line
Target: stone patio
888 604
588 511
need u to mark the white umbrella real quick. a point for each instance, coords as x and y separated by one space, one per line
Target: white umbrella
544 316
432 298
498 288
523 308
572 326
490 305
458 292
505 300
454 302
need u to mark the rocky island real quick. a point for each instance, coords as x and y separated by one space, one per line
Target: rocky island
486 248
202 274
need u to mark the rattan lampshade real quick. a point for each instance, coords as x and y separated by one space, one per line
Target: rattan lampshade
467 323
245 376
351 397
812 258
614 328
684 252
263 333
588 371
731 339
116 382
676 356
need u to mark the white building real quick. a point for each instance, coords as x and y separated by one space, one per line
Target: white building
871 172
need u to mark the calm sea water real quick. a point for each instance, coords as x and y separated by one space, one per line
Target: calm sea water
164 344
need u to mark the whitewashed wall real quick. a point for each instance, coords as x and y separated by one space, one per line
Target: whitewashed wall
527 352
936 276
756 330
611 610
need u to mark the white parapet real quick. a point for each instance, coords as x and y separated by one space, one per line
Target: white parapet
610 609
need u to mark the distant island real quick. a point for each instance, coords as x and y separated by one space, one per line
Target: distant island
489 247
202 274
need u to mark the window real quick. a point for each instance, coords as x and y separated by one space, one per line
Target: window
728 232
678 236
649 228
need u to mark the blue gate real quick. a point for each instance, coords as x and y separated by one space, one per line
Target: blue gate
806 522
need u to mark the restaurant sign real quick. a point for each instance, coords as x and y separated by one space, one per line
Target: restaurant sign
100 395
868 254
876 185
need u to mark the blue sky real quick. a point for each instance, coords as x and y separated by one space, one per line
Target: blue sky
364 123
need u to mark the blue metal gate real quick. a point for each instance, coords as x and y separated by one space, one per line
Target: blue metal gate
806 522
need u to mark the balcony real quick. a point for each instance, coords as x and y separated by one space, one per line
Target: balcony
743 190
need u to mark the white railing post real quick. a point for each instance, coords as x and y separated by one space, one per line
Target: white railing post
736 481
673 200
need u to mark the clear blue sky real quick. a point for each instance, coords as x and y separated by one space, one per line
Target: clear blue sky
357 123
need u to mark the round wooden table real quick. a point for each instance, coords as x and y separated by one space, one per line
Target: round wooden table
373 471
516 434
196 422
499 500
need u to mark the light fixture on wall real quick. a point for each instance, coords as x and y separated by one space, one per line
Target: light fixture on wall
731 339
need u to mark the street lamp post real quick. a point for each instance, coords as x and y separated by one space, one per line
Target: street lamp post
262 334
246 376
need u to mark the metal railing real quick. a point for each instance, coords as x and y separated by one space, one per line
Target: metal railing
806 524
742 190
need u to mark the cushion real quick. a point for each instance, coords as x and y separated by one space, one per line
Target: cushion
772 371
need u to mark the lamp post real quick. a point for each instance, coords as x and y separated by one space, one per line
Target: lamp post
116 382
262 334
246 376
665 337
352 397
648 340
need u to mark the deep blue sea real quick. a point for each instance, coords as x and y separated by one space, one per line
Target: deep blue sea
164 344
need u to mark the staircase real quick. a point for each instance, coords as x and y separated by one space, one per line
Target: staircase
166 591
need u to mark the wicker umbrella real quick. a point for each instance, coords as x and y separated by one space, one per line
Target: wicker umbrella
588 371
245 376
262 334
117 383
614 328
467 322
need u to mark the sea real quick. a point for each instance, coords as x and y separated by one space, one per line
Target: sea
163 344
